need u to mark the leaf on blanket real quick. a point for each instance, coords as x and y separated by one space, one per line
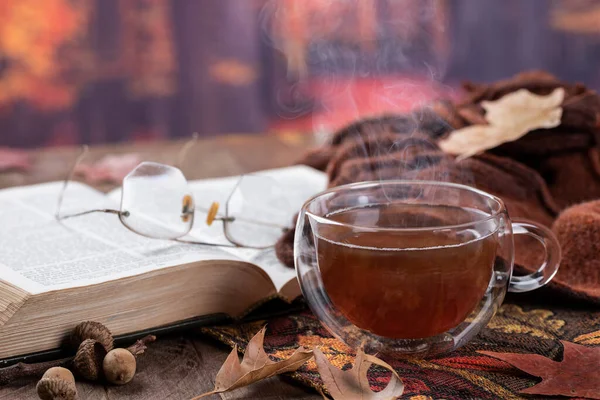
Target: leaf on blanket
509 118
110 169
575 376
255 366
353 384
14 160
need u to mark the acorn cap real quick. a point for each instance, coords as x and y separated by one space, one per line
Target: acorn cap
59 373
92 330
56 389
88 360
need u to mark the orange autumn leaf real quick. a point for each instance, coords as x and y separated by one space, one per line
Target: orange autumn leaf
575 376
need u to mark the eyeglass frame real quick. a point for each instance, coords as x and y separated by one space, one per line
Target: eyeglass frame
181 156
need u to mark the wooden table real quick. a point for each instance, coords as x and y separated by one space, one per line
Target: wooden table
176 367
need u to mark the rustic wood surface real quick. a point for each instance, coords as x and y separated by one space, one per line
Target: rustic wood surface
179 366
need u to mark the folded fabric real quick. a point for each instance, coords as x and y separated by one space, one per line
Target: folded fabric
542 176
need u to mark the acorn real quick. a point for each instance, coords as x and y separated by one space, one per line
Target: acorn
57 384
119 366
92 330
88 360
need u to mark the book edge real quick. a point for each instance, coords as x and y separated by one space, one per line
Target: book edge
11 301
234 312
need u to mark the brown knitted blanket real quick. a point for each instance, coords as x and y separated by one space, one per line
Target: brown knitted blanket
551 176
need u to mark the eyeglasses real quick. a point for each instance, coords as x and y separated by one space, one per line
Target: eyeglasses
157 202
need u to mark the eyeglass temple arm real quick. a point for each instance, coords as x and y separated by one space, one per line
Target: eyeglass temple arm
251 220
100 210
84 150
185 149
204 243
221 244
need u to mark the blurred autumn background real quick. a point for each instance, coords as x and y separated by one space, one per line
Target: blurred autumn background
102 71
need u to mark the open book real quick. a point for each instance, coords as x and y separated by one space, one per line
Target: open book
54 275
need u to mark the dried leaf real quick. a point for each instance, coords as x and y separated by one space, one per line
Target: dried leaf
575 376
111 168
353 384
509 118
255 366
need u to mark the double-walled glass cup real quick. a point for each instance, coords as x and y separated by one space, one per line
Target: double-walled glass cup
411 268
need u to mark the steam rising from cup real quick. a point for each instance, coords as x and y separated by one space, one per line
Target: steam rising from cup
362 56
357 59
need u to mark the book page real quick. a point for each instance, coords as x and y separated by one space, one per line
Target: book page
42 254
295 184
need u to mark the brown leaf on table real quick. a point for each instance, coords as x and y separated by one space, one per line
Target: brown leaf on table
110 169
509 118
576 375
353 384
14 160
255 366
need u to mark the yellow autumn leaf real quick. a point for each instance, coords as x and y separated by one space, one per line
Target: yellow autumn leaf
509 118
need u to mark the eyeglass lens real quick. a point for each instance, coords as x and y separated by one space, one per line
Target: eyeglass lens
156 201
257 211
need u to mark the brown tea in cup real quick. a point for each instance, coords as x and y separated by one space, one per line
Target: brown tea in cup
410 283
411 268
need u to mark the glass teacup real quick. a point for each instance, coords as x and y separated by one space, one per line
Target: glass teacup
411 268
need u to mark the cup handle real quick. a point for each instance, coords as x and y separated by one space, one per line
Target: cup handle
549 267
